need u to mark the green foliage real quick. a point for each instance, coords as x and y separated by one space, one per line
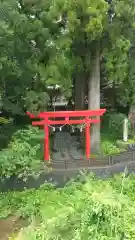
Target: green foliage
45 43
5 121
94 210
23 157
114 123
109 148
112 133
36 102
24 204
92 21
6 131
23 43
117 64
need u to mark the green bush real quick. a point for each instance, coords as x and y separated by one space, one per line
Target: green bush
114 124
6 131
112 134
24 204
109 148
4 120
99 210
24 155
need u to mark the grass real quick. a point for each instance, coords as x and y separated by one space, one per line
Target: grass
94 209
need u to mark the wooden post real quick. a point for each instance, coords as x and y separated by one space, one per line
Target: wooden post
87 137
46 143
125 130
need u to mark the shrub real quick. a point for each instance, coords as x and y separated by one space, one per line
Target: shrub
94 210
6 131
114 124
4 120
23 157
109 148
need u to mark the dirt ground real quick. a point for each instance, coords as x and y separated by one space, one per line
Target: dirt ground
10 226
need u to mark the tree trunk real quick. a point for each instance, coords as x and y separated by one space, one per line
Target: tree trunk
94 98
80 84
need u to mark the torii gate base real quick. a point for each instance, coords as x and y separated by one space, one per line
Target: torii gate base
86 118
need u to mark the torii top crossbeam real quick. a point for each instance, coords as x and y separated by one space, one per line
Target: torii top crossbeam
84 113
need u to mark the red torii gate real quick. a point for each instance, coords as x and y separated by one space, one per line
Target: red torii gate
87 120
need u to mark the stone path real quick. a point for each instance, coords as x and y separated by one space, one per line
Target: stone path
66 147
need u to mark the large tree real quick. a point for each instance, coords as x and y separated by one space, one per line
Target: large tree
98 30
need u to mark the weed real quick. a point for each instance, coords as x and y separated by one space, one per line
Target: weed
24 155
94 210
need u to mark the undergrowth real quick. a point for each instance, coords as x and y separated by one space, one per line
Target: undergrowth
94 209
24 155
111 131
